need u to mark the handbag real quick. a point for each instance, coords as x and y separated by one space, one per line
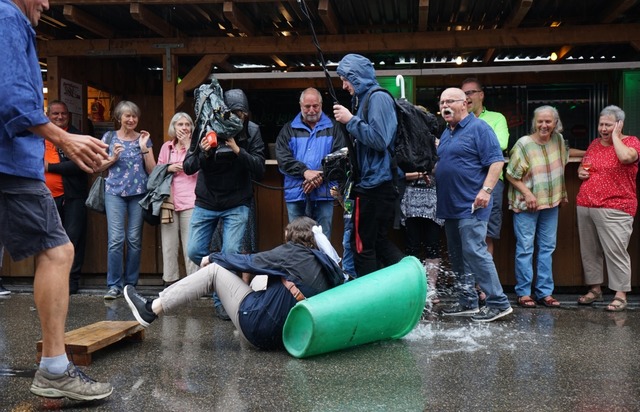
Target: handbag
95 200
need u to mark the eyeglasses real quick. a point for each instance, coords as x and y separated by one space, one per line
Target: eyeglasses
449 102
470 92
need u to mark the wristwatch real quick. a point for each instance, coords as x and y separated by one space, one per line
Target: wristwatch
487 189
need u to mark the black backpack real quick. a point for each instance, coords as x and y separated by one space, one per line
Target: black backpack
415 141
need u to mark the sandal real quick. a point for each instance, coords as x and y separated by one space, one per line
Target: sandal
588 300
526 302
616 305
549 302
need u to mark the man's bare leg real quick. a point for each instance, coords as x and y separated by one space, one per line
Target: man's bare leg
51 295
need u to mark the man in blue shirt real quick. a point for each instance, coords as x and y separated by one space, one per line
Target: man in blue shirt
470 162
300 147
29 222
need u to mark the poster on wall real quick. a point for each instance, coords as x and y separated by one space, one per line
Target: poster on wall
71 94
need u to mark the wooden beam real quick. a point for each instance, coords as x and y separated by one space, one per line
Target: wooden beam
423 15
196 76
169 92
518 14
83 19
357 43
53 78
328 16
489 55
154 2
564 50
238 18
616 9
147 18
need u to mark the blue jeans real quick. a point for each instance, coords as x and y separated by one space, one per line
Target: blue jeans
319 210
472 263
347 255
203 225
124 223
540 227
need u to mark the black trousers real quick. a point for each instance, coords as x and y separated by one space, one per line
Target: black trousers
372 217
73 213
421 232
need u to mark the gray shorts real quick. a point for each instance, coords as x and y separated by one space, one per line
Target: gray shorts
495 219
29 220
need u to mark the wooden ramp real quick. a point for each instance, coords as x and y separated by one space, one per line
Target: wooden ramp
81 343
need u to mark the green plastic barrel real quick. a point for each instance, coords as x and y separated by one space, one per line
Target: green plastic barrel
386 304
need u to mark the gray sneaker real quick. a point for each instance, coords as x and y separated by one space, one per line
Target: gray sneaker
487 314
73 384
458 310
113 293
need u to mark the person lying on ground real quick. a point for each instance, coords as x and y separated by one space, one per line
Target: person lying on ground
297 270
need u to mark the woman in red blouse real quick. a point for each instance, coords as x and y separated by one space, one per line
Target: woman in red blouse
606 206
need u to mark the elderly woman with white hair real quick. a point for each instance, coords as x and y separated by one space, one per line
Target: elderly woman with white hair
175 231
537 188
606 205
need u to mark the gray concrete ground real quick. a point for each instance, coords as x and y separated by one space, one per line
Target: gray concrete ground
569 359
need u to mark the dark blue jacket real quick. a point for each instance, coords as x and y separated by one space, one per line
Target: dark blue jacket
375 134
263 313
298 149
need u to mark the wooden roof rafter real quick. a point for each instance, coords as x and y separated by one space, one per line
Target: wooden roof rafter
515 18
328 16
423 15
238 18
146 17
87 21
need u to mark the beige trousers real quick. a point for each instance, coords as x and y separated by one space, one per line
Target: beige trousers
604 238
173 234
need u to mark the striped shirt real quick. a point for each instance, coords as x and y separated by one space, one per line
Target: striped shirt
541 168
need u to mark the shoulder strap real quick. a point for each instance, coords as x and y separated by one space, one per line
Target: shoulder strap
365 104
365 109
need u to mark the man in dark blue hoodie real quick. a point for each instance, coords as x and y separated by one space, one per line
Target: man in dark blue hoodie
374 190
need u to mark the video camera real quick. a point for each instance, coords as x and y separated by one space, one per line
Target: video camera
336 165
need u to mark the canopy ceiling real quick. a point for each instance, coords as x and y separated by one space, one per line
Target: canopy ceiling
271 35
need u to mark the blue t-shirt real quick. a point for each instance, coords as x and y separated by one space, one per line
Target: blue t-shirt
465 155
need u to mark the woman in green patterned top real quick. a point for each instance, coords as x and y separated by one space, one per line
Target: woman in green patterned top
536 176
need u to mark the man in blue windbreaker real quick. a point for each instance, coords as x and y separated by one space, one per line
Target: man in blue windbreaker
300 147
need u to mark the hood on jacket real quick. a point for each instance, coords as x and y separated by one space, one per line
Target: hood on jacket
236 100
359 71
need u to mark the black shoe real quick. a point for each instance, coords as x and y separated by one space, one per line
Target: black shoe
73 289
488 314
140 306
4 291
459 310
222 313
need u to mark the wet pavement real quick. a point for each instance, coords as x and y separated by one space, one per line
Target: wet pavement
569 359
